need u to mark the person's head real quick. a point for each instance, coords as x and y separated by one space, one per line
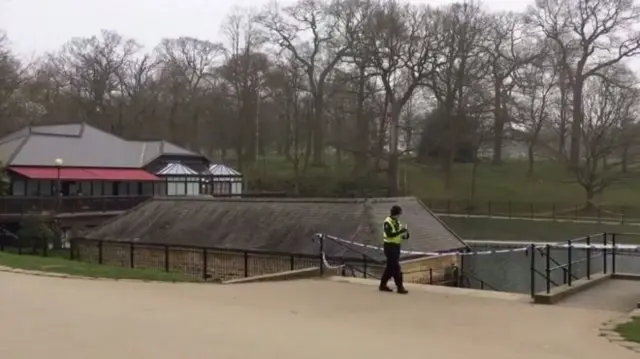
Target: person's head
396 211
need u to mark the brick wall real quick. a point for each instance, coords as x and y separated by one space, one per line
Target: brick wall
220 265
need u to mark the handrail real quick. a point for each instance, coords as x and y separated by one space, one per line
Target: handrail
567 268
557 264
483 284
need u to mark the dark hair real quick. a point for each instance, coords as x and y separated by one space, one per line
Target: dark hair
396 210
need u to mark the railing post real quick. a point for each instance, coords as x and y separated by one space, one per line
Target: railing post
292 262
548 267
364 266
205 264
132 257
100 253
71 249
614 251
532 275
569 262
430 275
321 255
531 210
604 253
246 264
166 258
588 257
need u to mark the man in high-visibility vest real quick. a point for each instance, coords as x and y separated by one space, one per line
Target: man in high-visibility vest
394 234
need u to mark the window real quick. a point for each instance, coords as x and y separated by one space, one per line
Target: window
97 188
19 188
147 188
33 188
221 188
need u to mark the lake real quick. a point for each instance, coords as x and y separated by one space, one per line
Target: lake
511 272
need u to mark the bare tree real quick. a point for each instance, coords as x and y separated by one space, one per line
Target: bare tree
531 102
590 36
509 47
90 69
608 109
244 70
324 23
403 41
463 67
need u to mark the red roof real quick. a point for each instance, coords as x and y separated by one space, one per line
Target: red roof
85 174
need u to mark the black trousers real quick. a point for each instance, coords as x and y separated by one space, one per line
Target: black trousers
392 269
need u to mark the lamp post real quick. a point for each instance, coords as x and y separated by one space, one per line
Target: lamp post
58 162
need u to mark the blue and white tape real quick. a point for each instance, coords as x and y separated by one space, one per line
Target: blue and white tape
625 247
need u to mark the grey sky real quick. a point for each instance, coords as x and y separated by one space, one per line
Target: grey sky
37 26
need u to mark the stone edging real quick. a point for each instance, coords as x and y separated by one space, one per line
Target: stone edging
42 273
608 330
71 276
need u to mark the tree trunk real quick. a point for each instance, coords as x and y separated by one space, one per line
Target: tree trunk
498 128
576 126
362 125
318 131
530 155
562 135
393 151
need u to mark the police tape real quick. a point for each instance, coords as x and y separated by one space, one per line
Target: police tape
625 247
328 265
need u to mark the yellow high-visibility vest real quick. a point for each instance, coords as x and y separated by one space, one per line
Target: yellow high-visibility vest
397 239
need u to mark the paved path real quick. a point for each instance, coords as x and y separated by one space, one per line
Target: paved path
45 317
614 295
608 221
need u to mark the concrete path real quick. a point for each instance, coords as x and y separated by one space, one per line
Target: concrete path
614 295
43 317
608 221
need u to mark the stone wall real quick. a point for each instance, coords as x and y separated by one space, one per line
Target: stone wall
219 266
433 270
198 263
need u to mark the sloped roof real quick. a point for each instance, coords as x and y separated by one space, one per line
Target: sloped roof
222 170
176 169
282 225
80 145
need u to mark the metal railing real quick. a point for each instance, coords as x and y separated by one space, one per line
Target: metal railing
601 213
42 205
372 266
583 256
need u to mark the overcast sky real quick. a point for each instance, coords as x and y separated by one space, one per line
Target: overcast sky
37 26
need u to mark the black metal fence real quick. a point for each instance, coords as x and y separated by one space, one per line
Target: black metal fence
585 257
535 210
39 205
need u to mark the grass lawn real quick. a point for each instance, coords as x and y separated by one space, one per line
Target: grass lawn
630 331
535 231
66 266
502 183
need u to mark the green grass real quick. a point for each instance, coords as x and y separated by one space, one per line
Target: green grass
66 266
630 331
535 231
507 182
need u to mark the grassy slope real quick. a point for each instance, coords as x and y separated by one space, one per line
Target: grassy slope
550 184
630 331
61 265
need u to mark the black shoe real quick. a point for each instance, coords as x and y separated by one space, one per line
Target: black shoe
402 291
384 288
